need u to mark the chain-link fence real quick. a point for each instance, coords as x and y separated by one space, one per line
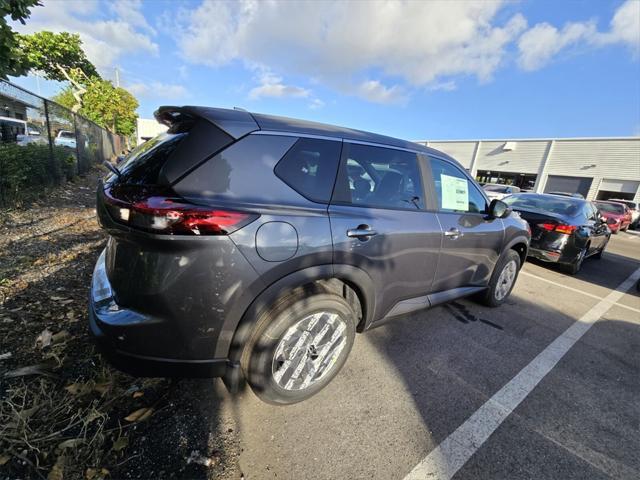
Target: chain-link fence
44 144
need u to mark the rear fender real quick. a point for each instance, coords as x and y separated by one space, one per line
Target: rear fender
236 336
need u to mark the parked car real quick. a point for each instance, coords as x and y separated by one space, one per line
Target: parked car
564 230
250 246
567 194
496 190
65 138
32 137
618 215
634 207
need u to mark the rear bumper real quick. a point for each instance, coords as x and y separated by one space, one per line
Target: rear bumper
545 255
145 366
110 327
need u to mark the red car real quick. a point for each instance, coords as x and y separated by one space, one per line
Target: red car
617 215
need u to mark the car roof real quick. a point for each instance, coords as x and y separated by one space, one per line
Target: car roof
239 122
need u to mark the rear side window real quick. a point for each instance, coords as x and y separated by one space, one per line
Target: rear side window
309 167
454 191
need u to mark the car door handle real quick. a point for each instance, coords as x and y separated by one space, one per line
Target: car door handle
453 233
363 232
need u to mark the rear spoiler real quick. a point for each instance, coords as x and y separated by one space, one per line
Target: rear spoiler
235 123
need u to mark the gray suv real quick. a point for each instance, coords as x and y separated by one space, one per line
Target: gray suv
254 247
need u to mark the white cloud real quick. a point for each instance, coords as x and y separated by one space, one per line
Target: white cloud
271 86
158 90
448 86
104 41
542 42
374 91
339 42
131 11
316 104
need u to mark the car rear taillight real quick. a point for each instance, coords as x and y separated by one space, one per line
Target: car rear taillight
174 216
558 227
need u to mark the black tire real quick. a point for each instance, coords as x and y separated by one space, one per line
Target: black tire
575 266
258 359
490 297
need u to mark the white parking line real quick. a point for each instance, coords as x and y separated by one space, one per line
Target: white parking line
567 287
447 458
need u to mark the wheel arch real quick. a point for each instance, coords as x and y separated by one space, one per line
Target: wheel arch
341 279
521 245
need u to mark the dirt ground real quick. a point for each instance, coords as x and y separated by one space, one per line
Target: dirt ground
65 413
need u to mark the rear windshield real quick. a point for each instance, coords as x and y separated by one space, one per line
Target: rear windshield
142 166
610 207
66 135
559 206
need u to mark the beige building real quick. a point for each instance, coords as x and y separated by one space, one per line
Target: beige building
598 168
147 128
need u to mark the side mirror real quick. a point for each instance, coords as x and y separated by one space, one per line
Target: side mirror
499 209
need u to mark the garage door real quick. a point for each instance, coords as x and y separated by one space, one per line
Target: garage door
611 188
559 183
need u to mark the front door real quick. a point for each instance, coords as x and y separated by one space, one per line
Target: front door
379 223
472 241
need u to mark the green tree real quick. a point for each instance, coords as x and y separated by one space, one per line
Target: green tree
12 60
108 106
59 56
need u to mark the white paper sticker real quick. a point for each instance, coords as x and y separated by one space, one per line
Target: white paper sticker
455 193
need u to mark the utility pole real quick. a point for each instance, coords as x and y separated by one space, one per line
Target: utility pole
117 77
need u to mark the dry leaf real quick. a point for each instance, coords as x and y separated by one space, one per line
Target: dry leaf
4 458
102 388
79 388
120 444
44 339
138 394
95 474
57 471
71 443
41 369
139 415
60 336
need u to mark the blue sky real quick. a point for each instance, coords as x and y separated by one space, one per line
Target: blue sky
416 70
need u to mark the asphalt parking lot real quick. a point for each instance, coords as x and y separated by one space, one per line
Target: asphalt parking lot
468 392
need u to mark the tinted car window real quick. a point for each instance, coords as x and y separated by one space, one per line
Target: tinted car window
454 191
611 207
545 203
244 172
380 177
143 164
310 168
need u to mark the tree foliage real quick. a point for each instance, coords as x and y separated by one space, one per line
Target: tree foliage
59 56
108 106
12 60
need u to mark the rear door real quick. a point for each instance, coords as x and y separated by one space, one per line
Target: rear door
380 223
472 241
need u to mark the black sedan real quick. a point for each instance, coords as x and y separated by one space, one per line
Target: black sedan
564 230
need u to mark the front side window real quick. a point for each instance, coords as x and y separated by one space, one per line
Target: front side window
310 168
379 177
454 191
